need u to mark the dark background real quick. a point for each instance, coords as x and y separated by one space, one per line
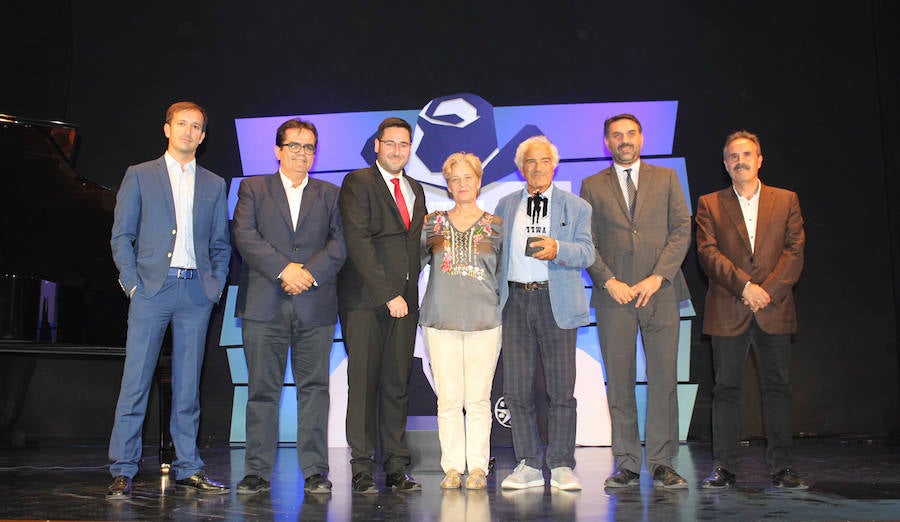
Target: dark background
818 83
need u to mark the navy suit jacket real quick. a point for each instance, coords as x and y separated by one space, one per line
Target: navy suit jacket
570 226
143 233
265 238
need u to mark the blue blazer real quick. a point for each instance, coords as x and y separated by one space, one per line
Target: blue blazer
570 225
143 233
265 237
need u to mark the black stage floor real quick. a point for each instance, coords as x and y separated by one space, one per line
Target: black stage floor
851 479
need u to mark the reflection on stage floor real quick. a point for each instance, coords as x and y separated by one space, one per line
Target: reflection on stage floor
854 478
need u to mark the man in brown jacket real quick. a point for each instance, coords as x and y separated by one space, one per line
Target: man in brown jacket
750 243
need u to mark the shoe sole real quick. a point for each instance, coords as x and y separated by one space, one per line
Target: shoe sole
204 491
711 486
523 485
317 491
795 488
681 485
118 497
565 487
617 485
240 491
368 491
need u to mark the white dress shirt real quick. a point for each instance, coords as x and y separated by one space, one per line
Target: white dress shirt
750 210
182 180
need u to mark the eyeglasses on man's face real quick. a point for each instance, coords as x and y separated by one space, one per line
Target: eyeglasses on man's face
306 148
391 144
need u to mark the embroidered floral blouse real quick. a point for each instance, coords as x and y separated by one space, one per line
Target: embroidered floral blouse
462 292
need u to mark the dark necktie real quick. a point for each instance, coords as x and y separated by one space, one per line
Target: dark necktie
632 192
401 202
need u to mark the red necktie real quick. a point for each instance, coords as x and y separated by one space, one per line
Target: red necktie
401 202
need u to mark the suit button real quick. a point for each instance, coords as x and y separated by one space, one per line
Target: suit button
169 254
634 232
294 248
173 231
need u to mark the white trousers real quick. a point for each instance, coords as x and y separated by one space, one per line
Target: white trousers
463 365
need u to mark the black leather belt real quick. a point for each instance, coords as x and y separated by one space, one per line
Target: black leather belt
182 273
533 285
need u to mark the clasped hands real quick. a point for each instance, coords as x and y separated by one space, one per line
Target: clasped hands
642 291
295 279
755 297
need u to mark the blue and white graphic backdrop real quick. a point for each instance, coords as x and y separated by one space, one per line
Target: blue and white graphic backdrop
445 125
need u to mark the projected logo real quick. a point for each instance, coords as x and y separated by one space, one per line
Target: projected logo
445 125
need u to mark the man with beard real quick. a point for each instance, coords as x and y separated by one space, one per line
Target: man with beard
641 230
750 243
383 211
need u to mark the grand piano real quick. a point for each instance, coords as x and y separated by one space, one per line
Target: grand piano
59 295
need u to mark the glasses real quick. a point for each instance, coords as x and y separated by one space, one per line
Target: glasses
402 145
306 148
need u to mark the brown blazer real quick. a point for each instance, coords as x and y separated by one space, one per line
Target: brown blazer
723 248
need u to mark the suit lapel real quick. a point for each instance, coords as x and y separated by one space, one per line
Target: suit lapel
557 212
162 174
732 207
310 198
764 212
614 188
276 192
645 180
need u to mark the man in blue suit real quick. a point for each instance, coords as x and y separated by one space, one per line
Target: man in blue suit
170 243
287 227
543 301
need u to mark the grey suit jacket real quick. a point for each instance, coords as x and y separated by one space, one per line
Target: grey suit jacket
570 226
143 233
265 238
655 243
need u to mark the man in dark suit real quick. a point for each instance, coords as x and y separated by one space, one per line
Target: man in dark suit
641 229
383 211
750 243
170 243
287 227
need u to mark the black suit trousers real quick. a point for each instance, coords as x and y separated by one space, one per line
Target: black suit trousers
380 352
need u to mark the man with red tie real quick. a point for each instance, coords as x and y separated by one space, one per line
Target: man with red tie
383 210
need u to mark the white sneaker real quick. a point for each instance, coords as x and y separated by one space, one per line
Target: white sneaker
564 478
523 477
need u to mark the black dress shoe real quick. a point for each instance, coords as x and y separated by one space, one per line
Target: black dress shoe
401 481
788 479
201 483
120 489
720 478
668 478
252 484
318 484
622 479
363 482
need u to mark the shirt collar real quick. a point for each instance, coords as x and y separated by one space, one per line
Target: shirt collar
387 175
173 164
547 193
289 185
751 198
635 168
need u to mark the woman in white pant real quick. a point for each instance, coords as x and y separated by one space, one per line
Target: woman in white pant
460 321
